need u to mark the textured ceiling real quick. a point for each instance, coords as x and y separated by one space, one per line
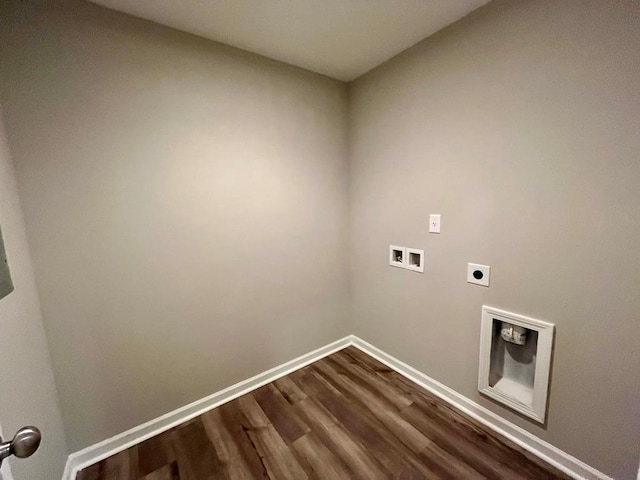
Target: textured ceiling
339 38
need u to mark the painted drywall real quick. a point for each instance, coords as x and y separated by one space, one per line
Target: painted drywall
27 393
519 124
186 205
339 39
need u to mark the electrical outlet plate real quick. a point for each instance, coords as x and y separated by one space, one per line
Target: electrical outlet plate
478 274
434 223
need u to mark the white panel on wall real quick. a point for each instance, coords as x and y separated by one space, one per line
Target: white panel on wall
515 361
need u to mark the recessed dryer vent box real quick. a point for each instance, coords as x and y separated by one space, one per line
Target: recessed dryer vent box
515 361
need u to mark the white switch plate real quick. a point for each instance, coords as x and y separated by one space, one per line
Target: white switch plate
434 223
478 274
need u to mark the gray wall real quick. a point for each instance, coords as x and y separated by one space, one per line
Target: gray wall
186 205
27 390
187 208
519 125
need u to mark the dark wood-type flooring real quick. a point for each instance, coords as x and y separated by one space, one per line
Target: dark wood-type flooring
345 416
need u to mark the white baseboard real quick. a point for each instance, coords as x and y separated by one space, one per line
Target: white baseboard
547 452
556 457
94 453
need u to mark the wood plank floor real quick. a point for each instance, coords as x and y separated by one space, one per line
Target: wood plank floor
346 416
